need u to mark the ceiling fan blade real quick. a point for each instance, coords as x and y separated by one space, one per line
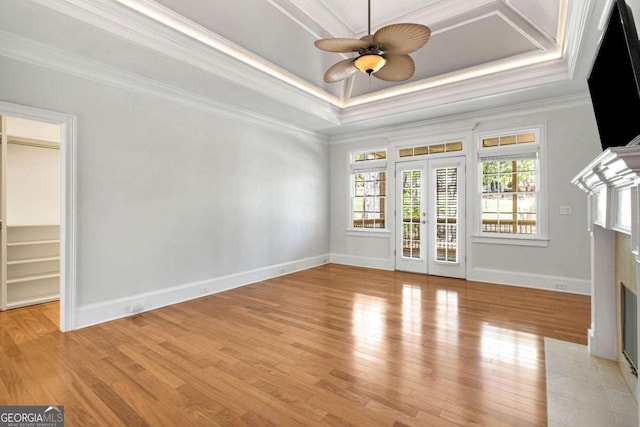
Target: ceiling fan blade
368 38
341 45
400 39
397 69
340 71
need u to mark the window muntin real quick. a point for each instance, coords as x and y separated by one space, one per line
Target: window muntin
509 176
368 189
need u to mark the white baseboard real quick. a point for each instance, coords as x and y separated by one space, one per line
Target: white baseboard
529 280
93 314
500 277
358 261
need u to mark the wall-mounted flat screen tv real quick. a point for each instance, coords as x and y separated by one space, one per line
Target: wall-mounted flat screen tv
614 80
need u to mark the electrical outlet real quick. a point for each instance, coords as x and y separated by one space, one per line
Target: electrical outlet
136 307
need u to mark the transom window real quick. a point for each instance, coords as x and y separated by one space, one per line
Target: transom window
365 156
501 141
430 149
368 189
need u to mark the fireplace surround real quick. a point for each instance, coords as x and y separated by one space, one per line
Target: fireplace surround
611 182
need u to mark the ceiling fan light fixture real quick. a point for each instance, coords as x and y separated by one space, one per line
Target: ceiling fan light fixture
369 63
388 47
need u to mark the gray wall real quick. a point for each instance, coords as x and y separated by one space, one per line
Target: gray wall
170 194
572 142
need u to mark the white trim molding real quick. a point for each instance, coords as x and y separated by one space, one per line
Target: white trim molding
68 194
611 182
150 25
529 280
93 314
25 50
361 261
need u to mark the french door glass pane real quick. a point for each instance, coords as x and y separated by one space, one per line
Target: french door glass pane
411 198
447 214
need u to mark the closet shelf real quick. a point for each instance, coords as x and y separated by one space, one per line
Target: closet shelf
32 242
23 302
33 277
30 251
32 260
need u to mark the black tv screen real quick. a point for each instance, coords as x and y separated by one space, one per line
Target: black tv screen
613 81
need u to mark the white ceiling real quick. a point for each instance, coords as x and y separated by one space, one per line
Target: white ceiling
258 57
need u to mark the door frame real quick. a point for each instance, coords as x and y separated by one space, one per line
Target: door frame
68 195
429 265
415 265
440 268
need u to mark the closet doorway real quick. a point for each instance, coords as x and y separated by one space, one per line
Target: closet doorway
30 212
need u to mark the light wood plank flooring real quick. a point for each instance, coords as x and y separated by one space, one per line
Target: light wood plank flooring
333 345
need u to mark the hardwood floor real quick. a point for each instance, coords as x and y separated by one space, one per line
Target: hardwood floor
333 345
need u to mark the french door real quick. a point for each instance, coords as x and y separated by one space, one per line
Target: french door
430 217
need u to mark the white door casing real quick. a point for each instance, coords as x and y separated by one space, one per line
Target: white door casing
430 216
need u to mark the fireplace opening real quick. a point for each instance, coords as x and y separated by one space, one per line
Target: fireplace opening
629 328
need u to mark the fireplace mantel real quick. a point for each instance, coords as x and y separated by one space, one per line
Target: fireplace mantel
616 167
611 182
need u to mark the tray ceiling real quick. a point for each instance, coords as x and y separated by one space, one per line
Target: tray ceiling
466 34
259 54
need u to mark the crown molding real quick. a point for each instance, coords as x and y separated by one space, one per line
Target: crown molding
616 167
165 32
578 13
31 52
195 45
151 25
492 84
461 123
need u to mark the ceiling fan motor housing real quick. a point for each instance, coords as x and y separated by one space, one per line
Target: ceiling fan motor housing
371 59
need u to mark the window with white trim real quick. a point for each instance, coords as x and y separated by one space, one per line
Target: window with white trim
509 175
368 189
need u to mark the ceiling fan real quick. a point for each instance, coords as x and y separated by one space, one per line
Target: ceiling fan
384 55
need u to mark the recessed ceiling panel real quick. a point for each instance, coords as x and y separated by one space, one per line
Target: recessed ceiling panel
261 28
543 14
476 43
353 14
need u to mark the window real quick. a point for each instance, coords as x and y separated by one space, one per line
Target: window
510 198
368 189
430 149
